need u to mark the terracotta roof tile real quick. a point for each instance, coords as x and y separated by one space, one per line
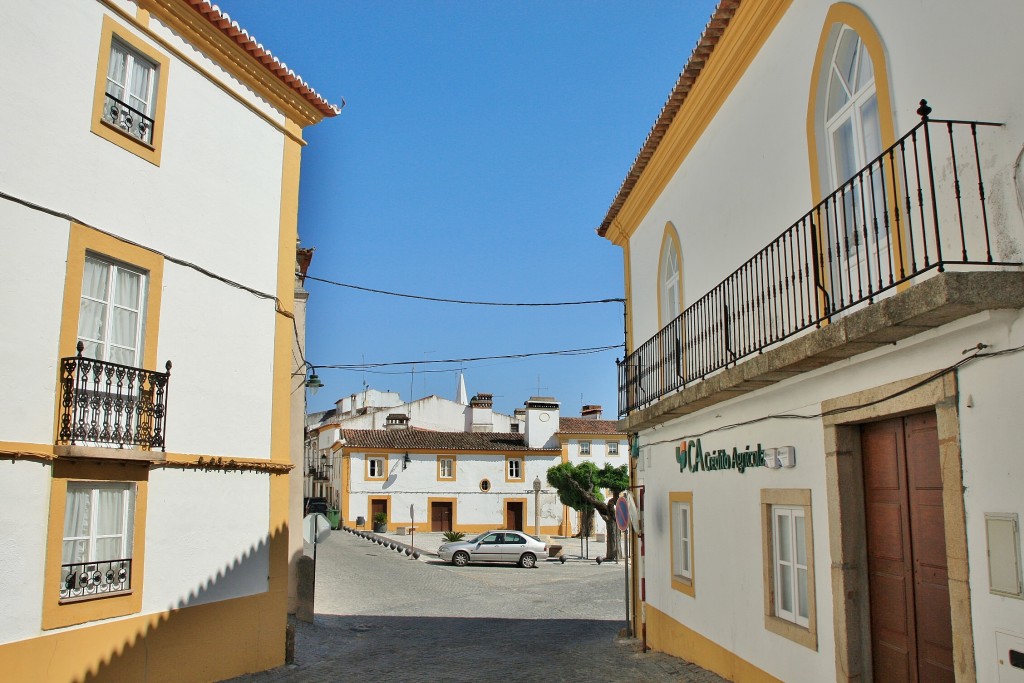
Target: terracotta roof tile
581 425
705 46
231 29
399 439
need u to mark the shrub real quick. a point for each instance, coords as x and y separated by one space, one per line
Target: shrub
380 518
452 536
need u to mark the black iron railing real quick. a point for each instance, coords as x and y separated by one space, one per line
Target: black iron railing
91 579
918 207
111 405
124 117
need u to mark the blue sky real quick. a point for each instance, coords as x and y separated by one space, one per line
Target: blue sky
480 146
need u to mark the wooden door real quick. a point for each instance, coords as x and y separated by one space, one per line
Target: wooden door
378 505
911 630
440 516
514 516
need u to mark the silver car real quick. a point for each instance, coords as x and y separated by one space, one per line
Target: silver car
500 545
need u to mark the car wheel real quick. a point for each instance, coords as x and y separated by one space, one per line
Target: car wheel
528 560
460 559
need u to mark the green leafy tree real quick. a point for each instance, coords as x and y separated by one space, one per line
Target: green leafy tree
580 486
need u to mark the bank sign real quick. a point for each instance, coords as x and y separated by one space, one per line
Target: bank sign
691 456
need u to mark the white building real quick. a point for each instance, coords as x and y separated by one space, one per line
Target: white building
459 466
148 210
827 426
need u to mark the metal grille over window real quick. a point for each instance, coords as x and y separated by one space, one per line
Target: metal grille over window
131 82
113 405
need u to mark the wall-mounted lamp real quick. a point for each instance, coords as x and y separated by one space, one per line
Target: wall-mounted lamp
313 382
405 461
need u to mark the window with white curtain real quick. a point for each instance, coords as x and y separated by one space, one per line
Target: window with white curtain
682 549
131 80
375 468
515 468
446 468
98 520
111 315
790 564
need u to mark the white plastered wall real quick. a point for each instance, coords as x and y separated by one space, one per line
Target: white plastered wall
24 513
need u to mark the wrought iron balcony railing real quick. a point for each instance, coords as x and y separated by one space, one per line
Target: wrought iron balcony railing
919 207
111 405
124 117
92 579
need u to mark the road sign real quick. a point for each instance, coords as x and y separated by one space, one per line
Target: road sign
634 516
622 514
316 528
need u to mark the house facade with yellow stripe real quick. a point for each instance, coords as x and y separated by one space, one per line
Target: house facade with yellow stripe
823 242
148 206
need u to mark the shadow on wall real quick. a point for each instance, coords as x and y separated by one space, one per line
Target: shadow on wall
205 638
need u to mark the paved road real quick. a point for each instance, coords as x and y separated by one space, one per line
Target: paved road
383 616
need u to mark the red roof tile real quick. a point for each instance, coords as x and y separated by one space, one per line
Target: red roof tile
581 425
401 439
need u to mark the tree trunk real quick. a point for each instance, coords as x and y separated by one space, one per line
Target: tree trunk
611 537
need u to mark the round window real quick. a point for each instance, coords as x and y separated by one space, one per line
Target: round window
485 485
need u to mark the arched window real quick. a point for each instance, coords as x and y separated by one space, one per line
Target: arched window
851 112
670 278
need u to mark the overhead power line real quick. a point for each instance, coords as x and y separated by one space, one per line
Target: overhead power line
462 301
565 352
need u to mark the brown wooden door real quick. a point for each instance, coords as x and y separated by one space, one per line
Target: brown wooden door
911 631
440 516
514 515
378 505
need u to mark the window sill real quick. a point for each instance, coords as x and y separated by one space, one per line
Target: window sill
131 454
683 585
90 598
801 635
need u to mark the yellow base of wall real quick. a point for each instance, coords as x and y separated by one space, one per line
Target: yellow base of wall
667 635
203 643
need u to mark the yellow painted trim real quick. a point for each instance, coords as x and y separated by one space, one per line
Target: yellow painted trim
628 293
669 240
454 476
212 42
346 485
665 634
748 30
565 451
34 451
366 466
151 153
56 615
109 4
142 16
81 240
234 634
430 517
687 586
804 635
526 511
522 468
369 510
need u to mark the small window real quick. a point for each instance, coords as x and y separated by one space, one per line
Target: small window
111 313
515 427
375 468
787 539
790 564
613 448
96 558
485 485
584 448
446 468
515 468
681 534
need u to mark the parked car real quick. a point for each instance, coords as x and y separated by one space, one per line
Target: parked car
499 545
316 505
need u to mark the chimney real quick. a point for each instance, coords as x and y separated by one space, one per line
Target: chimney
397 421
590 412
542 413
481 409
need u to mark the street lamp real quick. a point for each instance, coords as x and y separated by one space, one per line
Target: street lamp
536 506
313 383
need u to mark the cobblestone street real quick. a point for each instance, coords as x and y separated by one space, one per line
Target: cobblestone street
384 616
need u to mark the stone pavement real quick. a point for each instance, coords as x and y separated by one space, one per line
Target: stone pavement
383 616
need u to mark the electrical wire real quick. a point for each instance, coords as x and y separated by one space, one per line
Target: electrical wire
461 301
977 355
369 366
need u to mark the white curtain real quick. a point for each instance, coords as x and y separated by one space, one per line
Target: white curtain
98 522
92 317
116 71
139 87
77 514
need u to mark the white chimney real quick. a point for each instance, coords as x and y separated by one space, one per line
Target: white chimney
481 408
397 421
542 413
591 412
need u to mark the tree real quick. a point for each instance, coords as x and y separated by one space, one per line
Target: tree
579 487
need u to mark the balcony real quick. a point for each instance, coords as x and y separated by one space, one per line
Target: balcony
902 246
110 407
127 119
